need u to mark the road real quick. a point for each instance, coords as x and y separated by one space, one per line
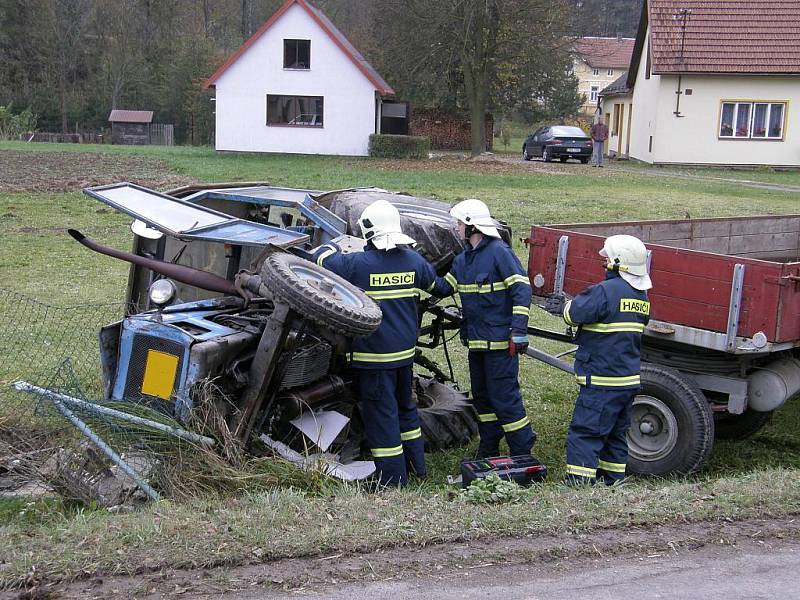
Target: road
752 571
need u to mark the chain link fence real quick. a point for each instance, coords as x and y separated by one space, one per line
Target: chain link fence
56 433
59 436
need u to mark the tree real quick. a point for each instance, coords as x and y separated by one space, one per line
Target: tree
469 44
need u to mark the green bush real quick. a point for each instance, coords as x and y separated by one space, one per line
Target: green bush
12 126
399 146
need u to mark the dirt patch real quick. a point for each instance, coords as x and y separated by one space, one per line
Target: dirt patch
320 571
72 171
489 164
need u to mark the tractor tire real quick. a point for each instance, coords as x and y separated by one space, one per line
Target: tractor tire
447 417
295 281
427 221
672 426
740 427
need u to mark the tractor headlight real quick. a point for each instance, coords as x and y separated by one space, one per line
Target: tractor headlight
162 292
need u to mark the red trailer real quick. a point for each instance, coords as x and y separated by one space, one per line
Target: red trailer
721 351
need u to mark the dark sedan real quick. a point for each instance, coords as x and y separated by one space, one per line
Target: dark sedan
558 141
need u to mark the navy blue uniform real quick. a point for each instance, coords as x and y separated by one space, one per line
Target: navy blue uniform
384 359
611 317
495 300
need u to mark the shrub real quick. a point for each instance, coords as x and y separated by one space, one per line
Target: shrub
12 126
399 146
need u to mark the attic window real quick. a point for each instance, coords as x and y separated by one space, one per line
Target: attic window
296 54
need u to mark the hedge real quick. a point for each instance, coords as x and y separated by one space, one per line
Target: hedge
399 146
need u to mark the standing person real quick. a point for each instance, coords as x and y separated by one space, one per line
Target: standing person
392 274
610 317
599 133
495 299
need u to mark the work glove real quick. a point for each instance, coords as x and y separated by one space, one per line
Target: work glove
555 304
517 344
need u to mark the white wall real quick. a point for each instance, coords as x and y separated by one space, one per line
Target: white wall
241 95
693 137
646 97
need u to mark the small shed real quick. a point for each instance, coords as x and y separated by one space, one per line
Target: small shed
130 126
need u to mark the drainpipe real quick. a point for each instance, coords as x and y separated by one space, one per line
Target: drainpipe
678 94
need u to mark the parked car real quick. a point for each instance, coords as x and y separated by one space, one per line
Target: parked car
558 141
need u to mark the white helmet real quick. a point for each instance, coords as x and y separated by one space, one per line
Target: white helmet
380 224
628 255
476 213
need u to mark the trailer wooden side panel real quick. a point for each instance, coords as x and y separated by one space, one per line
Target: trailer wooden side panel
691 287
789 305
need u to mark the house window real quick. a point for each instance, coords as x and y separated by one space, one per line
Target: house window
610 73
752 120
296 54
593 91
596 72
294 111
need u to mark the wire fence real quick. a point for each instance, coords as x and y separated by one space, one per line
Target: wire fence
57 434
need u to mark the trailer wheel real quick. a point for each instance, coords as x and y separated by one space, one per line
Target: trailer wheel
447 417
319 294
672 427
739 427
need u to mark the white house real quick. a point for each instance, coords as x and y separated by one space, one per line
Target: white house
297 85
711 82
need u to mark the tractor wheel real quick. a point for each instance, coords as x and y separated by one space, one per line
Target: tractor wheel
672 426
447 417
739 427
427 221
320 295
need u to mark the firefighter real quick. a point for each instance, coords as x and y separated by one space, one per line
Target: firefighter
495 300
610 317
393 275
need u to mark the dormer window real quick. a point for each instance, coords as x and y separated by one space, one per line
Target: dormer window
296 54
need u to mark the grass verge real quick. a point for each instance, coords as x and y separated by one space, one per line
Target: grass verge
287 523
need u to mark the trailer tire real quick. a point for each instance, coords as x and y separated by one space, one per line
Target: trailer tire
672 426
292 280
447 418
740 427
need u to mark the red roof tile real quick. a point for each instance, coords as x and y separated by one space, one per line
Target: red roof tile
725 36
131 116
383 88
599 52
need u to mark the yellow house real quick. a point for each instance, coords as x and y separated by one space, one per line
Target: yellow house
598 62
711 82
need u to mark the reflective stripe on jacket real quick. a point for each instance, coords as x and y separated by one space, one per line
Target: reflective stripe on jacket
611 317
395 280
495 294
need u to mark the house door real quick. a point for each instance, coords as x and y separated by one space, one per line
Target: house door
619 125
628 132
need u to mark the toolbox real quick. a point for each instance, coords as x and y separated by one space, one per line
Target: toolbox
524 469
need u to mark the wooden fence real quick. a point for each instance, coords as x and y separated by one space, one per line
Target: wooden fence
162 134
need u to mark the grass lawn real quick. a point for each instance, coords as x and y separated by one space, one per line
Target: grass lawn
38 203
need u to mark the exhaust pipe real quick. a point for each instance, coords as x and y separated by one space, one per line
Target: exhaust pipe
184 274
